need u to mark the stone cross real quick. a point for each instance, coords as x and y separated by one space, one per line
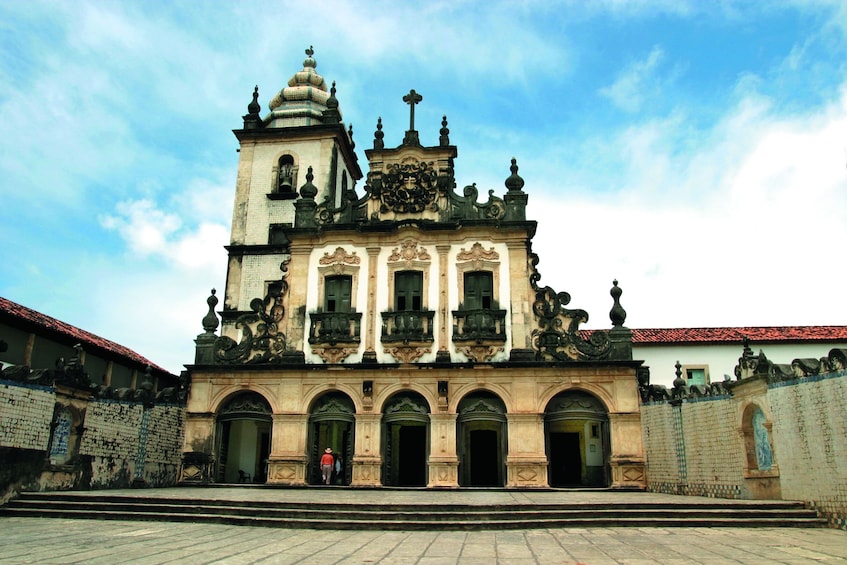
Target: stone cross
411 99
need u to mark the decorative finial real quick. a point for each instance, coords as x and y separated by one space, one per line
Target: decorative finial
308 191
444 139
210 320
254 107
617 313
678 382
147 385
378 135
252 120
310 61
331 115
514 182
332 101
350 134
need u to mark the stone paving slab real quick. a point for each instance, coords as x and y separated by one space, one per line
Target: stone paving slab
60 541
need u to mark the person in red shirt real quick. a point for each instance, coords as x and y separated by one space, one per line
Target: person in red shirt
327 462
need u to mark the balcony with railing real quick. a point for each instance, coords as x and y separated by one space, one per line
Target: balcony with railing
479 325
407 326
331 328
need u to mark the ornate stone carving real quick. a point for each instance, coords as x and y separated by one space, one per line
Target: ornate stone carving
407 405
250 403
409 188
466 207
633 474
477 254
340 256
407 353
331 354
557 336
408 253
481 353
285 473
262 339
526 474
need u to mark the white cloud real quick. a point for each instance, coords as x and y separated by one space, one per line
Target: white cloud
754 248
145 228
637 83
148 231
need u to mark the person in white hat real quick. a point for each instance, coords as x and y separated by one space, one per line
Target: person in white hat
327 462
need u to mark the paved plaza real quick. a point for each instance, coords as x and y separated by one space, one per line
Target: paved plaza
91 542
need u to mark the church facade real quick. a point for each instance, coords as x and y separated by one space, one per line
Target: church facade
400 323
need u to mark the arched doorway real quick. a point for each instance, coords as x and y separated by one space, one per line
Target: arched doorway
243 439
405 440
577 436
481 440
332 421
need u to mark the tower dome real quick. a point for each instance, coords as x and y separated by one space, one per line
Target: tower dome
303 101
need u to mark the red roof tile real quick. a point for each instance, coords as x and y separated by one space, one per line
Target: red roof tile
88 340
772 334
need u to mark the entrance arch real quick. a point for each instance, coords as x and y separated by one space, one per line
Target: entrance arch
481 440
576 426
243 439
405 440
332 421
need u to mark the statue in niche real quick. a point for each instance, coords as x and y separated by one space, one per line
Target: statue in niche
761 439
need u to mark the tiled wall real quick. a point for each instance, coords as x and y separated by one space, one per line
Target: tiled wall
25 416
122 441
696 447
810 441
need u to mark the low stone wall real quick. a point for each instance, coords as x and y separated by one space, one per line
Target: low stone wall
780 431
60 438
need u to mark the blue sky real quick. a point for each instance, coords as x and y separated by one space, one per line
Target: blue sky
696 151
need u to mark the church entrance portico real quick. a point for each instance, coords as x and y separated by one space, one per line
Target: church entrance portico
243 434
405 441
331 425
481 440
577 440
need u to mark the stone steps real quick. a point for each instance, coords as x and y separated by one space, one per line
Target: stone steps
393 516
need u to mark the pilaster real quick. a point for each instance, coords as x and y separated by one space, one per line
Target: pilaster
370 314
443 460
287 464
627 453
367 461
443 352
526 463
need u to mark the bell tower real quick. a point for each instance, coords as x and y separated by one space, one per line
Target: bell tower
301 144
